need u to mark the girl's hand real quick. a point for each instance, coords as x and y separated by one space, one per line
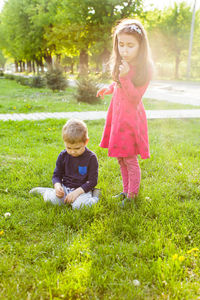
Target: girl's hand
123 68
102 92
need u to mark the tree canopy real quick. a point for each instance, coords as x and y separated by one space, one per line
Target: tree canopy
37 30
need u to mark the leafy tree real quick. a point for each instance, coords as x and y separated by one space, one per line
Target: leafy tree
11 18
37 29
79 25
195 62
23 25
42 14
174 29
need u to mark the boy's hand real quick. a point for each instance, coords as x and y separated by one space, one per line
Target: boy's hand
59 190
71 197
102 92
123 68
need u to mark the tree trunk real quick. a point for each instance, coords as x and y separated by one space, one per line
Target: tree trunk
33 66
38 68
42 68
23 66
48 60
16 66
29 67
72 68
58 58
105 55
83 63
20 66
177 66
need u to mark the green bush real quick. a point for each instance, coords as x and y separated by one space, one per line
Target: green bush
1 73
18 78
87 90
22 80
9 76
55 79
37 82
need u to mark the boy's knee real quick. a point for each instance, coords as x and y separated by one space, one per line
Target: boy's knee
50 196
87 200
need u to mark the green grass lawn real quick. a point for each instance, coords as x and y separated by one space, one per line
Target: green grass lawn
15 98
50 252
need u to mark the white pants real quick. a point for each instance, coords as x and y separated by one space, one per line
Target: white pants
85 199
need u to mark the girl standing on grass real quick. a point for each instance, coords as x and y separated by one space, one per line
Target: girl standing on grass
125 132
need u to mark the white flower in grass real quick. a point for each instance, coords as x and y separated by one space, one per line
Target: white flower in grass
7 215
148 199
136 282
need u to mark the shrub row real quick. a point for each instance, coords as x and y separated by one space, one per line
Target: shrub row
35 81
54 79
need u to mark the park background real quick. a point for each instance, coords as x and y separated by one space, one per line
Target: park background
77 34
150 249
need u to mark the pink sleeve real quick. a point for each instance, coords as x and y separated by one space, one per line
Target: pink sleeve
132 93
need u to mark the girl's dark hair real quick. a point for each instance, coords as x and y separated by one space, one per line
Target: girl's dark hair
144 65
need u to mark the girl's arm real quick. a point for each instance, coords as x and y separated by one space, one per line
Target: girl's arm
111 87
132 93
106 91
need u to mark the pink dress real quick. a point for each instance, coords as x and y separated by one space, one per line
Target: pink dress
125 132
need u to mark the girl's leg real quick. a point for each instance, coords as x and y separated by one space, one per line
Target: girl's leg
124 172
134 175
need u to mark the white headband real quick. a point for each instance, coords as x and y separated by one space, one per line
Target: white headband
135 28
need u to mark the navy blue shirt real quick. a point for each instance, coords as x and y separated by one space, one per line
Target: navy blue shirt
75 172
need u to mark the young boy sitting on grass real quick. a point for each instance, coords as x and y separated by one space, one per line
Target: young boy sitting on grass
76 171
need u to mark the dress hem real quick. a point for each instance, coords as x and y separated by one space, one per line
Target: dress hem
122 155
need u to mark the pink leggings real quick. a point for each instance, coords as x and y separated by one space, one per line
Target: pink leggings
131 175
